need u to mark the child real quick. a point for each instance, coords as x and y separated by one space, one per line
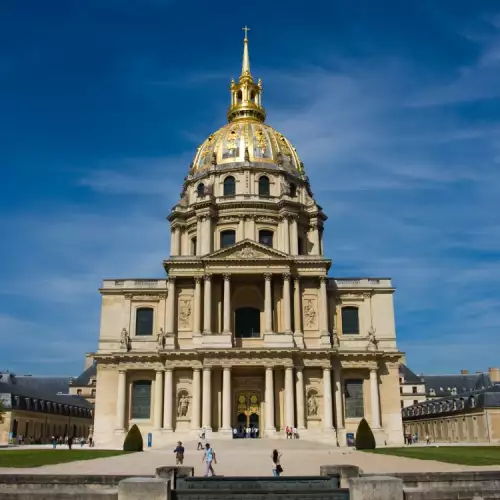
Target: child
179 454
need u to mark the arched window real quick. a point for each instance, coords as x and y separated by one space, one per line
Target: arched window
229 186
141 399
266 237
264 186
227 238
350 320
293 190
239 96
144 321
200 190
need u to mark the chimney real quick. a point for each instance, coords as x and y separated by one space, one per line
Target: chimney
464 372
494 374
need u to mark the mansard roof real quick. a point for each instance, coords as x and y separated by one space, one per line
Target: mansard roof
409 376
443 385
84 378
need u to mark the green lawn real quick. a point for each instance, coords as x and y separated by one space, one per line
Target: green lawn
36 458
463 455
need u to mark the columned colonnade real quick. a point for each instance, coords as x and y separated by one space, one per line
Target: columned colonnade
201 399
206 327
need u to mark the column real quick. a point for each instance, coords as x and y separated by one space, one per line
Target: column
171 306
339 412
294 236
121 400
199 234
289 420
227 303
226 398
251 228
207 236
173 230
327 399
268 308
269 399
158 399
374 399
207 320
207 398
195 405
241 229
296 307
197 304
299 390
167 399
324 306
286 235
315 239
287 310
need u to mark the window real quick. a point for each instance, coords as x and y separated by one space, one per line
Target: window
266 238
229 186
200 190
350 320
400 390
414 390
79 392
293 190
92 393
415 401
144 321
227 238
141 399
354 405
193 246
264 186
402 405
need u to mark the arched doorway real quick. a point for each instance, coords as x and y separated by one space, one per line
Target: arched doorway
247 322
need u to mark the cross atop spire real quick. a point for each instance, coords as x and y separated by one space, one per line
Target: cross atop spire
245 68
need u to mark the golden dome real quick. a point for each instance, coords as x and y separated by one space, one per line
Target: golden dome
246 138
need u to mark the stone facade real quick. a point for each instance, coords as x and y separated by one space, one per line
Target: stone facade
247 329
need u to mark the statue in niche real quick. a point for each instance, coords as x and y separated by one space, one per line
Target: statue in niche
161 339
372 340
309 314
312 405
335 338
185 313
125 340
182 405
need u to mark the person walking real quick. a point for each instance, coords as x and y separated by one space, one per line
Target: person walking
54 442
428 439
179 453
70 442
201 439
276 463
209 458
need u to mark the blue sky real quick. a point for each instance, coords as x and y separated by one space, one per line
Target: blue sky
394 107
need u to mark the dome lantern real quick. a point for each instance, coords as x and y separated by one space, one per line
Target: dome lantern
246 95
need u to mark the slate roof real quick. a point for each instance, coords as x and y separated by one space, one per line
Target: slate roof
444 384
47 385
15 389
84 378
409 376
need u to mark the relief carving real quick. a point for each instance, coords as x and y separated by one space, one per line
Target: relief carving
161 339
185 314
309 314
247 253
125 340
372 340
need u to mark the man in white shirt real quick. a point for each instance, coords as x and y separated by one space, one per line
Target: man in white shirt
201 440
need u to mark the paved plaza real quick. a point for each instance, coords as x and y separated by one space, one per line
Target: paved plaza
247 457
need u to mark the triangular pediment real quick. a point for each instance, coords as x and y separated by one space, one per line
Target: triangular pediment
247 250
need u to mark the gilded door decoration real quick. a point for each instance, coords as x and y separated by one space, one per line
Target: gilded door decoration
248 409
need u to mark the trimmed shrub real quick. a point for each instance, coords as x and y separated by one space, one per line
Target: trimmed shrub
365 440
133 441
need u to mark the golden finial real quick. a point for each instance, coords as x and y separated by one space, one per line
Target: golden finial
245 68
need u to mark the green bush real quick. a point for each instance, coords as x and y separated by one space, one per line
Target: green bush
365 440
133 441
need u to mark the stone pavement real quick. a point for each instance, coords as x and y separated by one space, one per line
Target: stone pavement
248 457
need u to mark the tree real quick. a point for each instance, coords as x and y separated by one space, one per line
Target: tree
133 440
365 440
2 411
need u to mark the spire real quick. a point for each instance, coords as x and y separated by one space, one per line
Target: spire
246 95
245 67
